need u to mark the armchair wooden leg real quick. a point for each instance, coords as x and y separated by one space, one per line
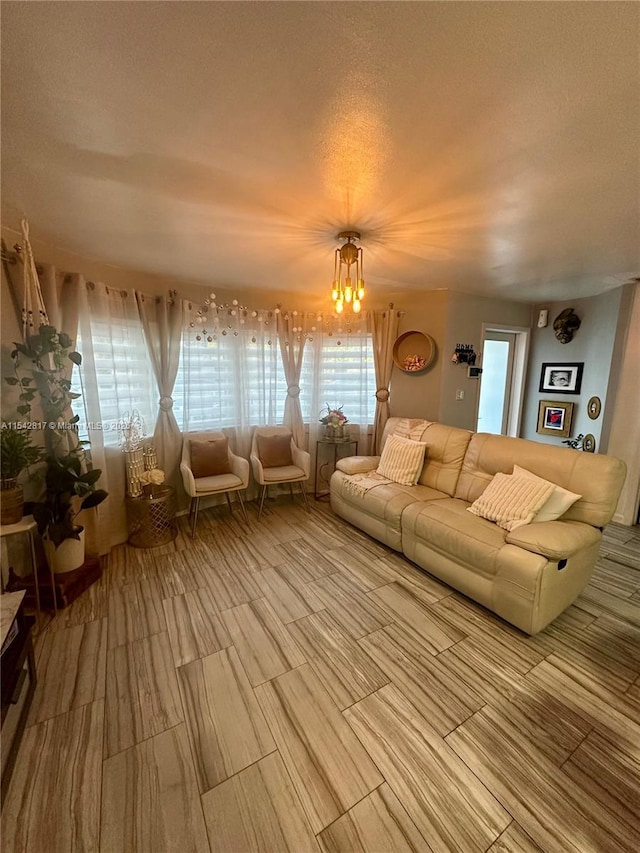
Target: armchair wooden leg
304 495
242 507
262 497
194 521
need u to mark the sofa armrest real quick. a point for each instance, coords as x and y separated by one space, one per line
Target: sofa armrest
556 540
357 464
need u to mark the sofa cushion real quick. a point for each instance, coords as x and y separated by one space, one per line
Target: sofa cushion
210 458
402 460
512 501
597 478
443 462
556 504
387 501
450 529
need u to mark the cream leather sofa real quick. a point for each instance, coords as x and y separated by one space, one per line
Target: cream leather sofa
528 576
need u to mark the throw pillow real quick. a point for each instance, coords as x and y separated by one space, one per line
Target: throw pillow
210 458
402 460
558 503
275 450
511 501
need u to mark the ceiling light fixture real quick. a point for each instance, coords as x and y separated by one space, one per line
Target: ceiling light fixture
348 289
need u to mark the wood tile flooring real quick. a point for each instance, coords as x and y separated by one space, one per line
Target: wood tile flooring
296 686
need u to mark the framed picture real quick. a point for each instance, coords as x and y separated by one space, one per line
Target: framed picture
554 418
561 378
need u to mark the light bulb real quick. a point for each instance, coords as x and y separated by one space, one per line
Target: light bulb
348 290
339 306
361 289
356 306
334 294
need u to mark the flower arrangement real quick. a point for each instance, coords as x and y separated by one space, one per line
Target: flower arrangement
149 479
334 417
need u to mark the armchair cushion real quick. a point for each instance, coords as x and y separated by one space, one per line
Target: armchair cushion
275 450
210 458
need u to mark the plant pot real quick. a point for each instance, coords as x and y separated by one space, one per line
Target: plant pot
69 555
11 504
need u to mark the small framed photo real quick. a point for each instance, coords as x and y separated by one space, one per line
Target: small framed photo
554 418
561 378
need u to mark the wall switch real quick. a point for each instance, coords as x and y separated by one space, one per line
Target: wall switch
459 394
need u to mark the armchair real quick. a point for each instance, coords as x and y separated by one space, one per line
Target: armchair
200 487
266 475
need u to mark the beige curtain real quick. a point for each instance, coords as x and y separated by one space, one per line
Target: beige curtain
161 319
291 336
384 329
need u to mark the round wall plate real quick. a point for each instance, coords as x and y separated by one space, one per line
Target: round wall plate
589 443
594 407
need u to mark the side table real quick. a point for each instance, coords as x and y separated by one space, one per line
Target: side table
329 450
152 518
28 525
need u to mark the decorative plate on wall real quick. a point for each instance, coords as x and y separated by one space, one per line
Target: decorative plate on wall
594 407
589 443
414 352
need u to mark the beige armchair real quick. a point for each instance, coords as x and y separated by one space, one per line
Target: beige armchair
266 475
216 484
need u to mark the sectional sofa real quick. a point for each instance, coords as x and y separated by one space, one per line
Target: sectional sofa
527 576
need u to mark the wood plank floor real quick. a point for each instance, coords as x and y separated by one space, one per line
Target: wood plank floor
293 685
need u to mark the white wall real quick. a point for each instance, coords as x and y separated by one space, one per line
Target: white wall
592 344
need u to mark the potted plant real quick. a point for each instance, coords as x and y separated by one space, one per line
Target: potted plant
68 490
16 454
43 366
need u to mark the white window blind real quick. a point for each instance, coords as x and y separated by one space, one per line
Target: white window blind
116 377
339 371
236 380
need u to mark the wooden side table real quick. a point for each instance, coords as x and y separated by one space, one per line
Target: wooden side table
152 518
330 450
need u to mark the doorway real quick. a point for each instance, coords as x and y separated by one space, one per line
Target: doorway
501 390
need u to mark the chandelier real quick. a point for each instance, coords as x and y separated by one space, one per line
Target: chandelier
348 287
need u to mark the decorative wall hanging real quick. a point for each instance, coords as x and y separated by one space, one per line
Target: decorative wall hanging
464 354
554 418
589 443
414 352
566 323
561 378
594 407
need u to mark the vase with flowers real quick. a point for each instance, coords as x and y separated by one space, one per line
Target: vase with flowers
334 421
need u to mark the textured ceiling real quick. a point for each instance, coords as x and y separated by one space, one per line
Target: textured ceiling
483 147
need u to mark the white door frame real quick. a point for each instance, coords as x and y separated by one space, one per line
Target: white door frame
519 374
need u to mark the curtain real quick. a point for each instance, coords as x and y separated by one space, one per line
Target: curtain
291 336
162 320
114 379
384 327
230 378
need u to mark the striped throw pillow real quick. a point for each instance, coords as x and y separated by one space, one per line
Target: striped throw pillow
402 460
511 501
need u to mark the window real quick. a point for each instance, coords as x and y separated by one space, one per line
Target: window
339 371
236 380
115 377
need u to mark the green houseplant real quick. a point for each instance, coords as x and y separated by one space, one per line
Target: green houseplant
42 367
16 455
